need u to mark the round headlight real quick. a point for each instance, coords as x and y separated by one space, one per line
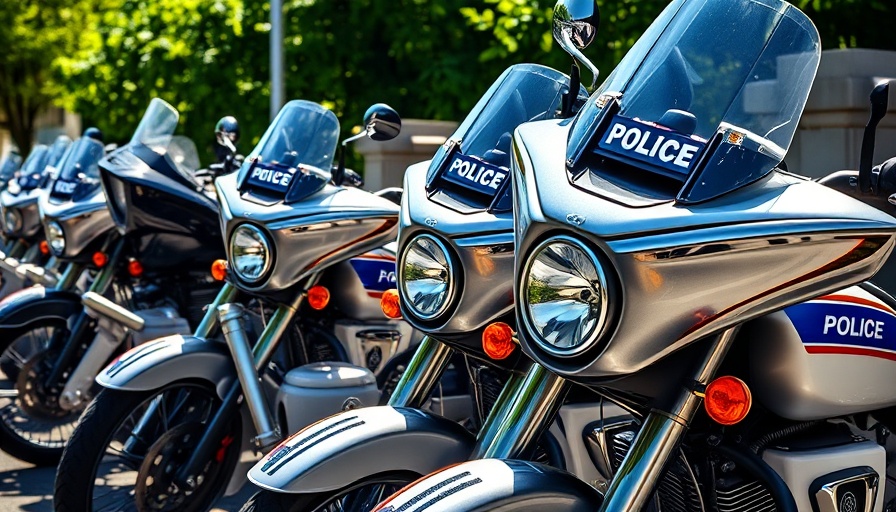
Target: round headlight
564 296
55 238
426 276
13 220
250 253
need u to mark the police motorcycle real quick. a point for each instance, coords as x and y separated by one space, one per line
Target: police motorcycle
665 260
142 280
455 284
8 168
21 221
305 269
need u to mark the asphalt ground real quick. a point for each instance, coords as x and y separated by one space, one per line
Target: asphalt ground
24 487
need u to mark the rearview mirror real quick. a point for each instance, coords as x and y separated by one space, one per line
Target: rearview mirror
575 23
382 122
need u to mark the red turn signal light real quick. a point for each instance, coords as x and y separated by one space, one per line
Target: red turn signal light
318 297
727 400
390 304
497 341
219 270
135 268
44 247
100 259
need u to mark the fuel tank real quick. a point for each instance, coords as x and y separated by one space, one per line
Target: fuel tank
830 356
330 226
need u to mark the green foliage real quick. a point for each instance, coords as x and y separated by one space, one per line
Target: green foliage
33 34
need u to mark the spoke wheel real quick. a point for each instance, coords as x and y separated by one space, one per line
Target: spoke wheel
33 427
129 445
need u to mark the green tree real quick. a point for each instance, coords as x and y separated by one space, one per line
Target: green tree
33 35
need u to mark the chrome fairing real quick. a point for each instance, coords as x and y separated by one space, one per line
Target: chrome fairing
83 222
683 272
310 235
482 245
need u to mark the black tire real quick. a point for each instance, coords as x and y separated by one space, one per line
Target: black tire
105 468
33 427
361 496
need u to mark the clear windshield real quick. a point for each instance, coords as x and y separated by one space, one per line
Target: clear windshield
706 67
295 153
58 150
81 164
33 170
9 167
523 93
156 131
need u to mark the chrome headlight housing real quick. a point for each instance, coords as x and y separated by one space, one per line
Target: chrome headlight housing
12 219
564 296
55 238
426 276
250 253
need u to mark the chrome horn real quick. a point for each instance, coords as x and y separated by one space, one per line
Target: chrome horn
575 25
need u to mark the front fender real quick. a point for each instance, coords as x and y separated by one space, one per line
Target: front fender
352 445
25 306
157 363
493 484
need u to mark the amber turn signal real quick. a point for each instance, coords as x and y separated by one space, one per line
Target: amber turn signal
135 268
497 341
219 270
389 304
727 400
100 259
44 247
318 297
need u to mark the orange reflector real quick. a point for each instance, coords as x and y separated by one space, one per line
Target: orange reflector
318 297
100 259
727 400
135 268
390 305
497 341
219 270
44 248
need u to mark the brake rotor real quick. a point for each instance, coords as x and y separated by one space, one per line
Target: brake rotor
35 399
155 489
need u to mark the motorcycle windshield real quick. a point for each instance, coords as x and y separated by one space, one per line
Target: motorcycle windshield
294 156
156 133
80 174
710 95
9 168
32 172
477 156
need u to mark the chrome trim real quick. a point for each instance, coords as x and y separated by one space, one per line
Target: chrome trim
633 485
523 301
422 373
209 322
598 444
827 496
453 276
96 304
268 249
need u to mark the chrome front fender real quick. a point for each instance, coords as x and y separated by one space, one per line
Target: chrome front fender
349 446
162 361
493 484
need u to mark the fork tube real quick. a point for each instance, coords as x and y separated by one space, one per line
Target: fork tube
69 277
510 430
210 320
104 278
423 372
655 444
277 325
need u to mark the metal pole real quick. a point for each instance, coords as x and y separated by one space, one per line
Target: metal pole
277 85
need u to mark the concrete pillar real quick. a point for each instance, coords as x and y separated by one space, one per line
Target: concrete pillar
385 162
829 137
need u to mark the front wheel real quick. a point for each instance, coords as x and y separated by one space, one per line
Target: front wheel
360 497
128 446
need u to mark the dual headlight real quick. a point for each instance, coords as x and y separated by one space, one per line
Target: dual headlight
55 238
564 296
427 277
250 253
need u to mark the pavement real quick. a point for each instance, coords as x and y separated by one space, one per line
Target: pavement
24 487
